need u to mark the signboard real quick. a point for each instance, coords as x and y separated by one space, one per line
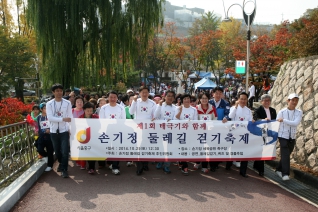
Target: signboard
143 140
240 67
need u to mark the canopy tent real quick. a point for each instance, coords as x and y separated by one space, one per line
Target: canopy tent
201 74
205 83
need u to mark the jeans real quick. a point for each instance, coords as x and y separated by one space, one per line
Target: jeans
286 148
60 144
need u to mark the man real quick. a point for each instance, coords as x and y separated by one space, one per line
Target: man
289 119
166 111
222 110
142 108
67 93
113 111
251 96
263 112
240 112
59 113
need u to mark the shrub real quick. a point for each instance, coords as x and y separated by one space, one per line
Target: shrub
12 111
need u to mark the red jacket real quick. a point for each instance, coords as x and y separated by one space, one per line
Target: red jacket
209 114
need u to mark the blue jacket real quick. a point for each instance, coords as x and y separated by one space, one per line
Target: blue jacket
223 110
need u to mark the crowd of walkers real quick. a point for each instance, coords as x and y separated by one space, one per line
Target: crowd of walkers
51 122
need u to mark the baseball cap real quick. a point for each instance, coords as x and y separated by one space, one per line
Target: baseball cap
128 91
42 105
293 95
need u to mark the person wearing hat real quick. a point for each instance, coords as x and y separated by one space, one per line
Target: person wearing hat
129 92
289 119
44 140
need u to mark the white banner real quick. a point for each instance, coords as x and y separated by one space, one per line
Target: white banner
143 140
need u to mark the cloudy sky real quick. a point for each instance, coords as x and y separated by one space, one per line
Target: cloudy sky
267 11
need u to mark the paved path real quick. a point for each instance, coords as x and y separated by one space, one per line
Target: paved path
156 191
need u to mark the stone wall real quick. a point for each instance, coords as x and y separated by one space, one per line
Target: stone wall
301 76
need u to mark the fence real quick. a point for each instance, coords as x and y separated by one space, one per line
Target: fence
17 151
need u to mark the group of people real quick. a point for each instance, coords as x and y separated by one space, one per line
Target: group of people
53 124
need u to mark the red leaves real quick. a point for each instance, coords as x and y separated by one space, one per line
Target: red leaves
11 111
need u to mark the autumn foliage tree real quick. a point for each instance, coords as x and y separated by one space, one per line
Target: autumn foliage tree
267 54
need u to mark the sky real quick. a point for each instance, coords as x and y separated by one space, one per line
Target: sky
267 11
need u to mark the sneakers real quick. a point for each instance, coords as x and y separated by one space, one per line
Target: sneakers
115 171
196 166
129 164
82 168
285 177
65 174
48 169
166 170
159 165
237 164
185 171
110 166
279 174
204 170
91 171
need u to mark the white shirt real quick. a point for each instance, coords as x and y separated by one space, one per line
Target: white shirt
240 113
268 113
189 113
143 109
112 112
56 111
165 112
252 91
291 119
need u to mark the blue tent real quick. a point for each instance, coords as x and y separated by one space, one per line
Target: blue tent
201 74
205 83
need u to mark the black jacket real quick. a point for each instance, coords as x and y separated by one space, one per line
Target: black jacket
259 113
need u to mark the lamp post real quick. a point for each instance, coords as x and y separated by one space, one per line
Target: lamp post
248 18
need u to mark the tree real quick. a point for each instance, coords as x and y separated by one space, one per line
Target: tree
209 21
305 40
16 58
267 55
79 38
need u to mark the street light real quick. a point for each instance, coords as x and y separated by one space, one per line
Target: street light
248 18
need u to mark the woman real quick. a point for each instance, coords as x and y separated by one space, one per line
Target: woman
77 112
266 85
206 112
186 112
31 119
88 113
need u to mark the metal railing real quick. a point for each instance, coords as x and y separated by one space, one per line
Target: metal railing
17 151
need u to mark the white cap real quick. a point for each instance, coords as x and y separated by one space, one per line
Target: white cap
128 91
293 95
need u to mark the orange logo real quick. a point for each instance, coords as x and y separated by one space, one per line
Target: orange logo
83 136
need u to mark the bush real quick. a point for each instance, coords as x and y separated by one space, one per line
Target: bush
12 111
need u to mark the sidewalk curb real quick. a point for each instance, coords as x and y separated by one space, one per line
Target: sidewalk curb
12 194
299 175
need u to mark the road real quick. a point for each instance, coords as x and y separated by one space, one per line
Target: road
155 191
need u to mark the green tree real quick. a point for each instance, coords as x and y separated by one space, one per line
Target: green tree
209 21
79 38
16 58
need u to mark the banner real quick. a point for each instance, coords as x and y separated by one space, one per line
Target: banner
144 140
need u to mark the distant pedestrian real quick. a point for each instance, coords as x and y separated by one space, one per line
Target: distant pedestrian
251 96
